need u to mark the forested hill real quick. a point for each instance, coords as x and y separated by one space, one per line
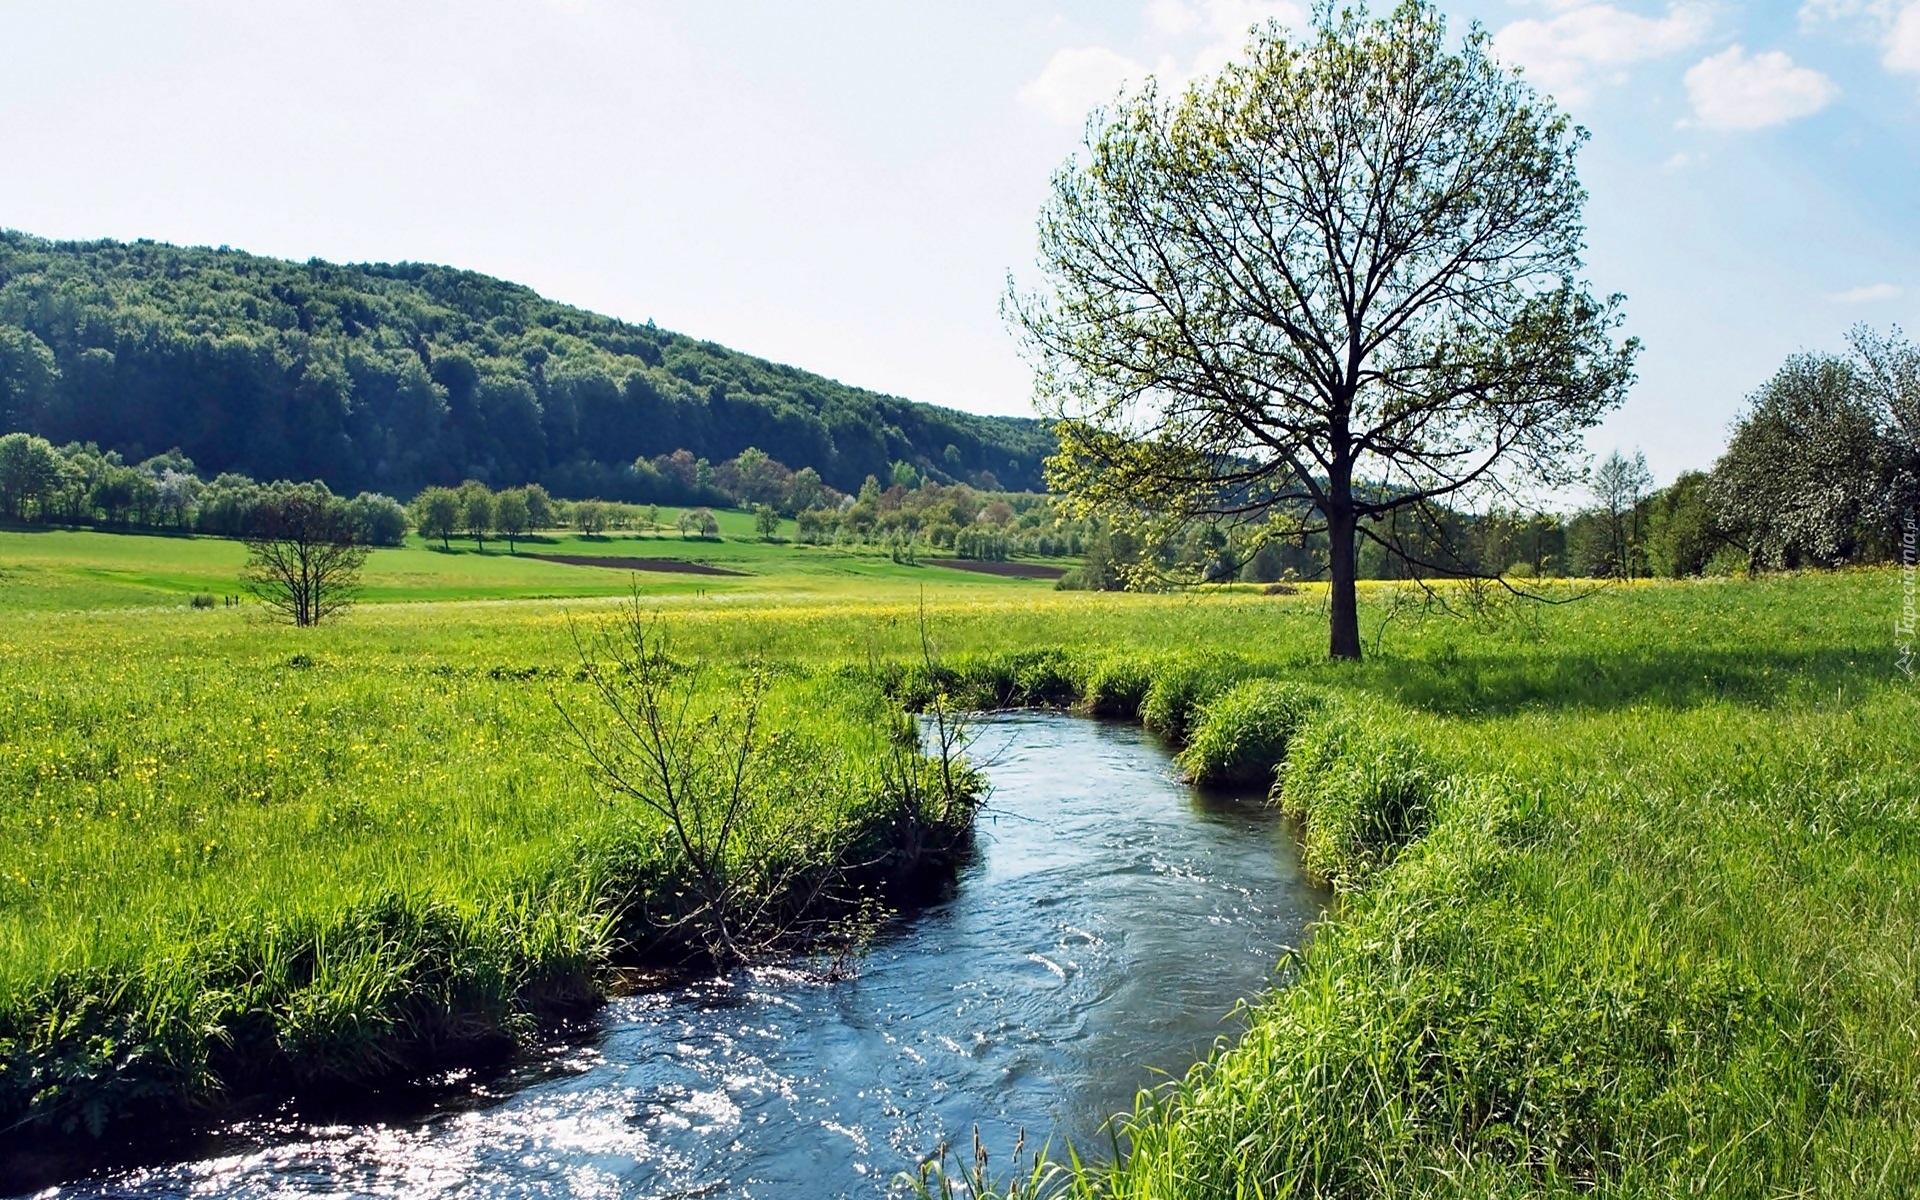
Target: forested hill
393 377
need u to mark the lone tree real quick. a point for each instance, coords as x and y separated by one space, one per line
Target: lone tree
766 521
302 561
590 517
1338 281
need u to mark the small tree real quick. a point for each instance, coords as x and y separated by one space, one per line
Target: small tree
1619 485
436 514
590 517
377 520
699 523
179 493
766 522
29 468
476 512
733 806
302 561
805 490
511 516
540 507
1681 534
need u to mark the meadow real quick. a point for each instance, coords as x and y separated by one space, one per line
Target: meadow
59 570
1630 885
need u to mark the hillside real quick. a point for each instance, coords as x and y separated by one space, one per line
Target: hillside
395 376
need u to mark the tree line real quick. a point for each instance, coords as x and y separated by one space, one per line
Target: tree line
1821 469
391 378
80 484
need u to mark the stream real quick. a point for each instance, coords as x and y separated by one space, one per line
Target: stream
1102 936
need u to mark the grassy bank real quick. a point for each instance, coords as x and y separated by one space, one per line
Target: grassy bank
1650 936
1646 954
248 861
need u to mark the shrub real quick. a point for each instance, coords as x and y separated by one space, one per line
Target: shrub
201 600
1241 735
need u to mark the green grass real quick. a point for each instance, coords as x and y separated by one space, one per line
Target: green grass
243 855
1656 933
67 570
1631 886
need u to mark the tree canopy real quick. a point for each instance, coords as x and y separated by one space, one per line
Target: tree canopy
1342 278
1822 467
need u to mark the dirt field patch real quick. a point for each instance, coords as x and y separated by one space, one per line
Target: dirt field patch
673 566
1009 570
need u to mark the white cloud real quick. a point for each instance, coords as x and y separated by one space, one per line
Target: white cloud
1874 293
1075 80
1569 54
1895 23
1733 91
1185 38
1815 12
1903 40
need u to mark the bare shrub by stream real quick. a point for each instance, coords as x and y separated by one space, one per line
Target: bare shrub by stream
734 801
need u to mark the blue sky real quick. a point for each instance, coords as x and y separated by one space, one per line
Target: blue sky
845 185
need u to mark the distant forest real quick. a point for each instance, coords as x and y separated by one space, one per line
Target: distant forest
398 377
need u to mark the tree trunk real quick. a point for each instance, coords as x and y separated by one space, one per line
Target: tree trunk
1343 601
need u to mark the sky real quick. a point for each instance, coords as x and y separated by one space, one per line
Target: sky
846 185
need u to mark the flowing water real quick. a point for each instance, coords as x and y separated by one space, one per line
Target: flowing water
1102 935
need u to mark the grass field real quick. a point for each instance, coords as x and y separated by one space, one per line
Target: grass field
1631 885
64 570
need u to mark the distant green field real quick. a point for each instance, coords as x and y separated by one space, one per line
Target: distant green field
67 570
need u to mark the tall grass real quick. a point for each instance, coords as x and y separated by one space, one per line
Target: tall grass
1656 936
260 870
1658 955
1244 733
